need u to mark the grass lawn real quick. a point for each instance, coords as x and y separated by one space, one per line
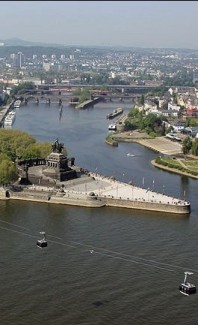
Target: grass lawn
187 165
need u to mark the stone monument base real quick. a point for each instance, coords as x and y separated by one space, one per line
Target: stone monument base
60 175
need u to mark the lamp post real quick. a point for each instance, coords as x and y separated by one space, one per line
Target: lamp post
153 184
25 169
163 189
148 192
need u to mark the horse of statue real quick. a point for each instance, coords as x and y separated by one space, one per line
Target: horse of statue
57 147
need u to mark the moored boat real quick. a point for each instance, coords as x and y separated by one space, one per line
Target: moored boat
17 103
112 127
115 112
10 118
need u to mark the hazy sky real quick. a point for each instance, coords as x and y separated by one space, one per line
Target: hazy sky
111 23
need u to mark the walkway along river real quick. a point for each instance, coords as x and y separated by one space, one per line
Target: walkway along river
97 191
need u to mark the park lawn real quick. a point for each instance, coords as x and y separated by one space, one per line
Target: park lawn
191 165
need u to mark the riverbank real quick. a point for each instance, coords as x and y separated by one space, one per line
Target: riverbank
94 190
160 144
4 111
172 170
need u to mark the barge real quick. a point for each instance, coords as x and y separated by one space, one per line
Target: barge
115 113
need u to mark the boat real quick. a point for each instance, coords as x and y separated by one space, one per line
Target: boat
42 242
187 288
115 112
112 127
9 119
130 155
17 103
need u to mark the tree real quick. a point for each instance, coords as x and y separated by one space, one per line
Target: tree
186 145
15 143
6 100
22 87
142 100
84 95
8 171
34 150
191 122
195 147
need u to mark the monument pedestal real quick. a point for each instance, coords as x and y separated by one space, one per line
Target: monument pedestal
57 167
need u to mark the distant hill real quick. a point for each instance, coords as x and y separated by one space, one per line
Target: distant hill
20 42
11 42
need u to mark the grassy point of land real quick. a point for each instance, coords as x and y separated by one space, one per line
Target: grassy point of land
185 166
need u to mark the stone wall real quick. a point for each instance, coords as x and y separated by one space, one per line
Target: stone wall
87 201
148 206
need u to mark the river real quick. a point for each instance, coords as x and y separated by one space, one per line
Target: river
102 266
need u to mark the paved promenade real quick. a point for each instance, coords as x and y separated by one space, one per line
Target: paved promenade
107 187
94 190
159 144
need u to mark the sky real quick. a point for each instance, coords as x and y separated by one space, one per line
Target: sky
145 24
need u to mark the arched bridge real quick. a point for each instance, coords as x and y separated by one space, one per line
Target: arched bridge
46 98
59 99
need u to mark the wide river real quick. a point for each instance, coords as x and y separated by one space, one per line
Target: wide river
102 266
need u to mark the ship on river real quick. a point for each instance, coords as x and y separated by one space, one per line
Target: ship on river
115 113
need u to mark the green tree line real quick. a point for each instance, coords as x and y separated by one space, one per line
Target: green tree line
17 144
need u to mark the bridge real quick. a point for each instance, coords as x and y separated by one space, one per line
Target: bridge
121 92
59 99
130 88
48 99
65 88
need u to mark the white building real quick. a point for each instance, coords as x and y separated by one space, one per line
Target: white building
46 66
173 107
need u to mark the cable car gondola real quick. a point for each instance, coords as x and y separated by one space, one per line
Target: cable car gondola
42 242
187 288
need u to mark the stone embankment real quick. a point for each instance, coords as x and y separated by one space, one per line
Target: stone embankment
97 191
